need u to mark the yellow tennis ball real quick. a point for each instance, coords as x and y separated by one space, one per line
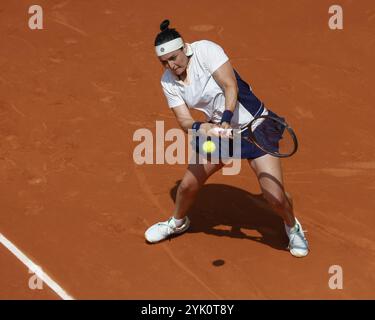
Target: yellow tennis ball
209 147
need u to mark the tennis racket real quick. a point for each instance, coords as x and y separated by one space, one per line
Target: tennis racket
271 134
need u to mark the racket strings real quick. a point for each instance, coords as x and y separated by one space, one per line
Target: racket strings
273 136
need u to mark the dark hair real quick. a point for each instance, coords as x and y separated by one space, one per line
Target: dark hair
166 34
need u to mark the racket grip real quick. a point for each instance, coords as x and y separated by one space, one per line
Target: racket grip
226 133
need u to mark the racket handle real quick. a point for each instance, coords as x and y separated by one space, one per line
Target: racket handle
226 133
220 131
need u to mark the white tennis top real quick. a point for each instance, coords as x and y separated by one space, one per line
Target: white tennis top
200 90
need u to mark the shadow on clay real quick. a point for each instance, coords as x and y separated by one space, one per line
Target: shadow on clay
226 211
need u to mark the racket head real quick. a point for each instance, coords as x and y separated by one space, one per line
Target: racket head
273 135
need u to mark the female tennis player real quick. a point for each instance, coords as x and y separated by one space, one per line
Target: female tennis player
199 75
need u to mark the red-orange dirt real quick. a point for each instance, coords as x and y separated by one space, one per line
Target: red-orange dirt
73 200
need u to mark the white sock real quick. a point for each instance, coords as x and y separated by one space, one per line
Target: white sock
178 222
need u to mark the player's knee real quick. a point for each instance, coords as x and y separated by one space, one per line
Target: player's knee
188 186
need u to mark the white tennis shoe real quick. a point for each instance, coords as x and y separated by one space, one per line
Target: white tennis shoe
163 230
298 245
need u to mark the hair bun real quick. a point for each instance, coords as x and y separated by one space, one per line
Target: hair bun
164 25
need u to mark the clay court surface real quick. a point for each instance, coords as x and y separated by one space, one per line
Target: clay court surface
73 200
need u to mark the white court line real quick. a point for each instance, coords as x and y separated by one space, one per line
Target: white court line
35 268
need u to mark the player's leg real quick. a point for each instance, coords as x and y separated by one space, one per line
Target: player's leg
195 176
269 173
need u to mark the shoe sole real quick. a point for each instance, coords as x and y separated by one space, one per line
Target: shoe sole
299 255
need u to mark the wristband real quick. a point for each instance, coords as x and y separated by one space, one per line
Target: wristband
227 116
